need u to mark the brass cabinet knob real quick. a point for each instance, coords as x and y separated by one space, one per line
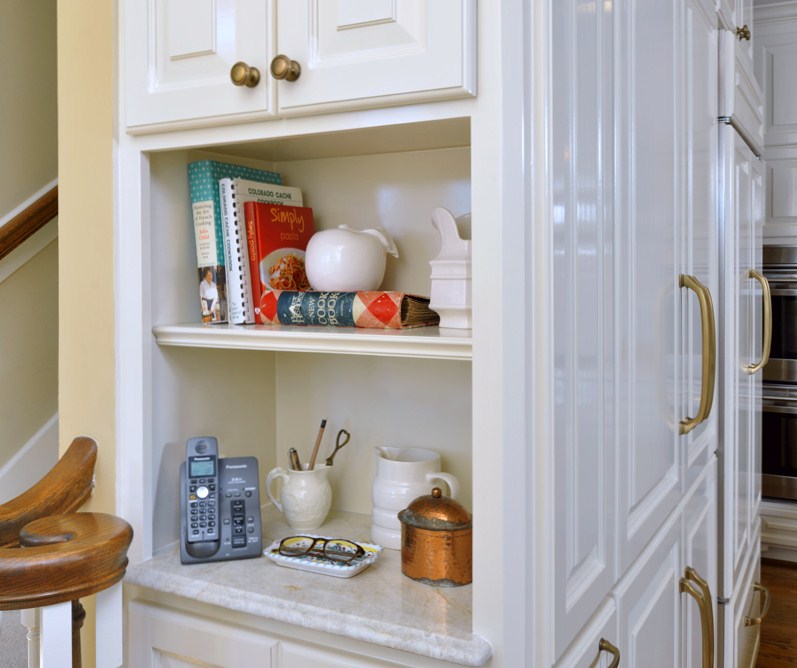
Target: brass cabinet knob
283 67
743 32
242 74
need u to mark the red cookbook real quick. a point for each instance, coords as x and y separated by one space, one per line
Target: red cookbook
277 237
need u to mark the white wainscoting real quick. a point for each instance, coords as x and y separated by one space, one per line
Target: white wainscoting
30 462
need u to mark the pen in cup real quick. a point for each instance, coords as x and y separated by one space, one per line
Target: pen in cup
311 465
293 458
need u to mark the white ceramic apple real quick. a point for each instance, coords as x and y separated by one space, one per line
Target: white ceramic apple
345 259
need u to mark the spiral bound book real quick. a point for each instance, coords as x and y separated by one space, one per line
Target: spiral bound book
233 193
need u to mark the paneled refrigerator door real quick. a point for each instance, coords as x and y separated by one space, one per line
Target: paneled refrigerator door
745 306
585 448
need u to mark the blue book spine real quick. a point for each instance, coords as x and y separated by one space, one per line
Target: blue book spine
203 188
316 308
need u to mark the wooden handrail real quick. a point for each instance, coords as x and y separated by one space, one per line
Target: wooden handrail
28 221
64 489
63 558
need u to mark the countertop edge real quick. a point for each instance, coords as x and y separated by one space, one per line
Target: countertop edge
475 651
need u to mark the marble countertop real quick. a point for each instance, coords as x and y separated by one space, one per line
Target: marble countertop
380 605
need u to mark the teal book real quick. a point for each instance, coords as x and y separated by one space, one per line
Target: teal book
211 250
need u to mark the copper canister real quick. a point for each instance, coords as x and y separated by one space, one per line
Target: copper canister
437 541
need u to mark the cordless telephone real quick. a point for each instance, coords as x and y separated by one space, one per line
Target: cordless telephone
219 504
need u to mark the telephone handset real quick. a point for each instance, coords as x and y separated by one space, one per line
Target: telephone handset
219 504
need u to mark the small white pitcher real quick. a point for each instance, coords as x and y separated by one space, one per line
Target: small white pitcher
305 496
402 475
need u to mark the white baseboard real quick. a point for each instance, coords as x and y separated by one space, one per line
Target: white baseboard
31 462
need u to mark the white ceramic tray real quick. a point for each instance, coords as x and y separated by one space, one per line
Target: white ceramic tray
323 566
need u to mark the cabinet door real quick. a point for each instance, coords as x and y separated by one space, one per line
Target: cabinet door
649 604
596 646
585 448
377 53
649 116
699 531
740 456
735 14
177 60
698 237
166 638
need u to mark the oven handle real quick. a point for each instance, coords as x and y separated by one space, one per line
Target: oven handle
778 408
766 342
709 352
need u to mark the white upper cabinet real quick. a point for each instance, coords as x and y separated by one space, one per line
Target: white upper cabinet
347 54
737 16
375 52
178 57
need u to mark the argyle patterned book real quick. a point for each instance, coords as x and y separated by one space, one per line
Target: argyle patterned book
375 309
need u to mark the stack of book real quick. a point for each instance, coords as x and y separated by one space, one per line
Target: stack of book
251 235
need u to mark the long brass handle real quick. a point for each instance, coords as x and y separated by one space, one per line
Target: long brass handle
756 621
766 343
709 351
702 594
605 646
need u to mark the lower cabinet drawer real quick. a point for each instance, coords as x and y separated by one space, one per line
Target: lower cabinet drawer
159 636
747 628
596 645
163 638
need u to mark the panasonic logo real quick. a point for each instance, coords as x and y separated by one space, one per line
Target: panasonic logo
235 466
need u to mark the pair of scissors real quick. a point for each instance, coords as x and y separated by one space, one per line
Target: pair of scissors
341 440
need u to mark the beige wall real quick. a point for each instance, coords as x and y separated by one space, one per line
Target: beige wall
28 163
28 139
29 358
86 62
86 69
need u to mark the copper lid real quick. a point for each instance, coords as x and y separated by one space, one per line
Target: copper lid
436 513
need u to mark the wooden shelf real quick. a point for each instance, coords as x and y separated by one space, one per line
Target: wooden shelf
423 342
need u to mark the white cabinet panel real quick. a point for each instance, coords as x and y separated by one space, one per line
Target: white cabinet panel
584 314
649 605
776 68
646 273
383 52
178 56
165 638
700 553
698 231
596 646
742 347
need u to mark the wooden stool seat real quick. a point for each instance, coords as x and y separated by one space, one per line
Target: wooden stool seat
63 558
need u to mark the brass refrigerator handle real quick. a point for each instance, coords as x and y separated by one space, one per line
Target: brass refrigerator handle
605 646
709 351
702 594
766 343
756 621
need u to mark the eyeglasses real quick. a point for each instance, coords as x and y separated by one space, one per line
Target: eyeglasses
335 549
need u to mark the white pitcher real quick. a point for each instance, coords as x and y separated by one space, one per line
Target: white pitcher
402 475
304 498
346 259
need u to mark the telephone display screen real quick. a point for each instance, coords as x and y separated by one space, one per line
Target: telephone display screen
201 467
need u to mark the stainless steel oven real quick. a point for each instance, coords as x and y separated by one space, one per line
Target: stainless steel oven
780 269
779 387
779 441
